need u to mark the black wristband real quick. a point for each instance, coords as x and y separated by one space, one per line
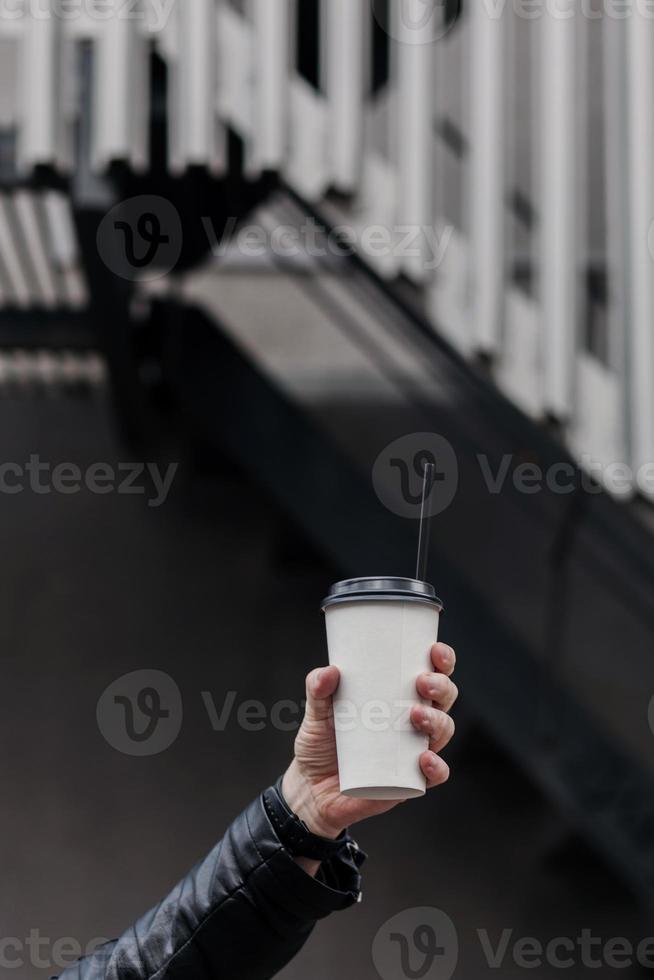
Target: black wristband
294 833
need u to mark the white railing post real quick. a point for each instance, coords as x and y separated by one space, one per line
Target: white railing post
416 30
346 68
120 89
640 184
39 129
196 137
558 207
12 257
44 288
486 203
616 205
272 38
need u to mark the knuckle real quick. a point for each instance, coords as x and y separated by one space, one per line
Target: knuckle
450 656
442 723
437 686
441 775
443 684
443 728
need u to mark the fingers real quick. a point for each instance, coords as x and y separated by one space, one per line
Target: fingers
439 689
443 658
438 725
321 685
435 769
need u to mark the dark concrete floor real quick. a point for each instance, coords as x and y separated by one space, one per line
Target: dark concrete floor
213 589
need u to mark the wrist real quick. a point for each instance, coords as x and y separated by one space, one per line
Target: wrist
299 796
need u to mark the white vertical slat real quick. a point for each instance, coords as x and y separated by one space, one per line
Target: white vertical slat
272 61
197 136
640 85
487 174
596 428
347 66
238 83
616 198
120 119
40 96
10 257
27 206
307 165
558 254
415 118
616 211
62 246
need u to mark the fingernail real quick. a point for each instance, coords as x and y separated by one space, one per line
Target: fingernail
316 681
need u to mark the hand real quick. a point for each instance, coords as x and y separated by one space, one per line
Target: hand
311 786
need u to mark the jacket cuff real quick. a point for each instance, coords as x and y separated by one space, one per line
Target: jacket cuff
337 885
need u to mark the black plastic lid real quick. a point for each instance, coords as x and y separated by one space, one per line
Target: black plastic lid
359 589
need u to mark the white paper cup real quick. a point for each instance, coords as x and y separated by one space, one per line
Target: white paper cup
379 633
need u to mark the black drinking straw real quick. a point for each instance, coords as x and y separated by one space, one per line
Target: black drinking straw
425 523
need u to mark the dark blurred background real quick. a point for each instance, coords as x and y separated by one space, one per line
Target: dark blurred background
258 261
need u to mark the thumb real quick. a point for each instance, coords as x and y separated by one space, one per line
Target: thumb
321 685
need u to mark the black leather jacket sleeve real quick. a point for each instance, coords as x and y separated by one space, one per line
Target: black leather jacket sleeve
243 912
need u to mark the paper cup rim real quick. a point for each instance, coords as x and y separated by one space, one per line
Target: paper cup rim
337 600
